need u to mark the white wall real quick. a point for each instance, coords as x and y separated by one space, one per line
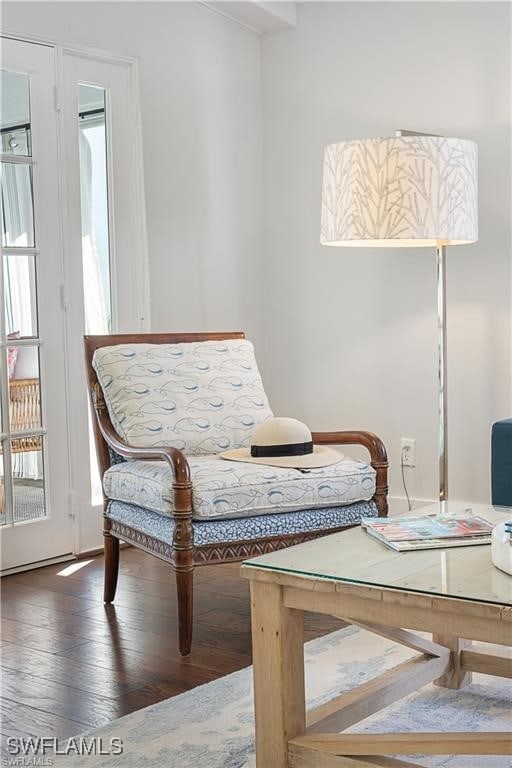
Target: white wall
354 331
201 128
201 124
346 339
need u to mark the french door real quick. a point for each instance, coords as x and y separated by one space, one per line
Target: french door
35 521
105 236
73 262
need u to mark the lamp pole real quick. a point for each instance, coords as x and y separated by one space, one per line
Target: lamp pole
442 381
442 370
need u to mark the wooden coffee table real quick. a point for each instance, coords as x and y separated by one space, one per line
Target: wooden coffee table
454 593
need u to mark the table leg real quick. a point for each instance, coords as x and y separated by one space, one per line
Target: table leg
456 677
278 658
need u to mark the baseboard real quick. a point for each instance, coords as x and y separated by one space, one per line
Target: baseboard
40 564
86 553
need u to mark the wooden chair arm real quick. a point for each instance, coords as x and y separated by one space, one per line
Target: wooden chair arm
378 459
173 456
369 440
183 533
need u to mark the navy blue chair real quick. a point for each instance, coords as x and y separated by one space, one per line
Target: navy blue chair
501 463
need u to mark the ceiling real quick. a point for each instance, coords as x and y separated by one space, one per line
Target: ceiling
258 16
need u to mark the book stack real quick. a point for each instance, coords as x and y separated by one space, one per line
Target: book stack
508 528
406 534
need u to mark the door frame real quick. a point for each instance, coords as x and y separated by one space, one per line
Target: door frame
128 273
44 538
86 527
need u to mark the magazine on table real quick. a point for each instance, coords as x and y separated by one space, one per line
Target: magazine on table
405 534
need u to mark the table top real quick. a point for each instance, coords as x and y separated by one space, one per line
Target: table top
352 556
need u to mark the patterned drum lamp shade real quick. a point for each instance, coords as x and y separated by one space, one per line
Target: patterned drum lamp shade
403 191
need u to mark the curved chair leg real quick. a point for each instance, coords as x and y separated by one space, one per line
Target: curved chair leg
185 593
111 548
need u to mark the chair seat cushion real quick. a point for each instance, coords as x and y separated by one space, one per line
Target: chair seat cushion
223 489
161 528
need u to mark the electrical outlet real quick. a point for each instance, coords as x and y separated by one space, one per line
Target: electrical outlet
408 454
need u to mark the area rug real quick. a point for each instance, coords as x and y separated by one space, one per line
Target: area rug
212 726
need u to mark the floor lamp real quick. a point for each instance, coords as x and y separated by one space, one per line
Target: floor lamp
406 191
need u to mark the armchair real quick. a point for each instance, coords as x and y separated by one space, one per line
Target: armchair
168 493
501 463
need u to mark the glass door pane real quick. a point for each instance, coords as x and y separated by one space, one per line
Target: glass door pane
17 203
20 290
23 496
15 117
28 479
95 233
94 198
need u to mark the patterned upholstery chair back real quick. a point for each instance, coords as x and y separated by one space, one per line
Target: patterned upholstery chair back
201 397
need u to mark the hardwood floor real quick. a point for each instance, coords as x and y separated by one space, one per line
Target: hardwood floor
68 663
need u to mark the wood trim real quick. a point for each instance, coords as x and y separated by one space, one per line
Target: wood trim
279 694
111 340
455 677
300 756
455 743
480 621
140 540
378 459
111 563
409 639
173 456
306 583
495 663
246 548
334 594
224 552
361 702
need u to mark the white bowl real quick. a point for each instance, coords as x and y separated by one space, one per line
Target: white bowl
501 548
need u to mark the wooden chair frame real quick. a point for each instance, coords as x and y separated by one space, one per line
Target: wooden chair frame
183 555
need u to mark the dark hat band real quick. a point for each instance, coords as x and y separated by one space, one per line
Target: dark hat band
275 451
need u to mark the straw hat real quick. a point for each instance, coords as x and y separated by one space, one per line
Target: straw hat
282 442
